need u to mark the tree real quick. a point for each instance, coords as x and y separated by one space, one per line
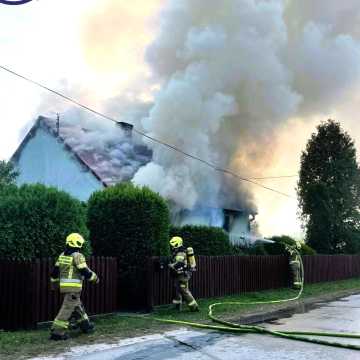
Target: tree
329 191
8 174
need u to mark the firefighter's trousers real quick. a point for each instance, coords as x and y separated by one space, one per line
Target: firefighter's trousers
182 292
70 306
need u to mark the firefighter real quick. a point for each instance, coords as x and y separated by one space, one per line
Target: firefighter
69 272
181 265
294 263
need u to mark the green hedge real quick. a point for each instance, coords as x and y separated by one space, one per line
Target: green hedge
35 220
130 223
278 249
205 240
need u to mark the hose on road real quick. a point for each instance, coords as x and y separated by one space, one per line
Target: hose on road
227 326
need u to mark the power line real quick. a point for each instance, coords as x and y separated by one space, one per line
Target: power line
273 177
194 157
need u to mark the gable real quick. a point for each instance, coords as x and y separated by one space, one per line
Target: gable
44 159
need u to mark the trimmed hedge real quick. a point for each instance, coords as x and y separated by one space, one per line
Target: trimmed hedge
35 220
205 240
130 223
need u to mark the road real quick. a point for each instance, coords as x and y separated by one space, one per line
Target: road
337 316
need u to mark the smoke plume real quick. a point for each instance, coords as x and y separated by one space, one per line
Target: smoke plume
238 83
234 72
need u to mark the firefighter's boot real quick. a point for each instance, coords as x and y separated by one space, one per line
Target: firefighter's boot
193 306
58 337
86 326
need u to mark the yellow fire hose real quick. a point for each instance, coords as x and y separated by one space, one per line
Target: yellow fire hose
231 327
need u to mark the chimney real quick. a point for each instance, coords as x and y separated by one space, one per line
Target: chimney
126 127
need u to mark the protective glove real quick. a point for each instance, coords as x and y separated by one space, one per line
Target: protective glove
94 278
54 284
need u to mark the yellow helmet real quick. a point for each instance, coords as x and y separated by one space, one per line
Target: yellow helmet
75 240
176 242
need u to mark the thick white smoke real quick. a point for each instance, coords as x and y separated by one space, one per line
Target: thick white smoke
232 71
109 150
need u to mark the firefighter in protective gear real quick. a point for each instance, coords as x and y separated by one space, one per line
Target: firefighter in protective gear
181 265
294 263
69 271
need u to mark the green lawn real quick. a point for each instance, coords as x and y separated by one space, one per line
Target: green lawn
23 344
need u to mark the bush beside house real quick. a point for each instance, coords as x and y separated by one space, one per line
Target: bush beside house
205 240
276 248
279 249
35 220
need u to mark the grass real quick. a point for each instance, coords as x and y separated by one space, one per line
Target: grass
25 344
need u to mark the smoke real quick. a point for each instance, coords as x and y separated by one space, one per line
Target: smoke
325 67
342 17
112 152
233 73
114 35
239 83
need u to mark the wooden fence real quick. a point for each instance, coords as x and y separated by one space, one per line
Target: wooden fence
322 268
227 275
26 297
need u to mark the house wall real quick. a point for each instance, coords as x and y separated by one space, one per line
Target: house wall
200 216
239 224
45 160
240 227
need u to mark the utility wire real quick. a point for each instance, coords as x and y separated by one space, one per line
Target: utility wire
273 177
194 157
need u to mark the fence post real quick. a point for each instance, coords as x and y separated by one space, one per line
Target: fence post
149 284
33 290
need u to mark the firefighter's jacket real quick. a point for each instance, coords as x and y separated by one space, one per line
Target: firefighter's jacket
70 270
182 261
294 262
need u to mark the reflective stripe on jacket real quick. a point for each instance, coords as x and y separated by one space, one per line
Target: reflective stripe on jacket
70 277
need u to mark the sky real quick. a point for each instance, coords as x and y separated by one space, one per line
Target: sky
107 53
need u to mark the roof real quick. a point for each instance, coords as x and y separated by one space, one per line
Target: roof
111 159
112 154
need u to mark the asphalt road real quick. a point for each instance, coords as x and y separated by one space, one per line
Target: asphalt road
337 316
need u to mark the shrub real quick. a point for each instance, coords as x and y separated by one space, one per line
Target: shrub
237 250
307 250
205 240
130 223
8 174
35 220
278 249
258 249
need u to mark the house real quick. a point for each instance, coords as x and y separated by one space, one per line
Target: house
234 221
72 159
75 160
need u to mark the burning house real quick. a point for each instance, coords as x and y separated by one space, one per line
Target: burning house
73 159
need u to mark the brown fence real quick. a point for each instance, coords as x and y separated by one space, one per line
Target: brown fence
26 297
322 268
227 275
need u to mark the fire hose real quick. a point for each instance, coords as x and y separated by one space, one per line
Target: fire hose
227 326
